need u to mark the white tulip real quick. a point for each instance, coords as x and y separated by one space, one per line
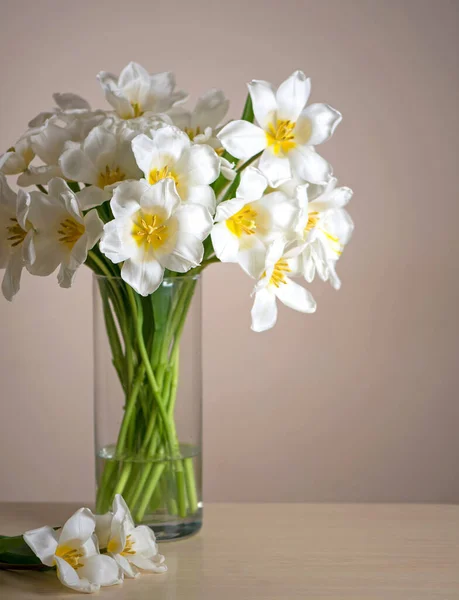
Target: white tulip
287 131
17 158
103 160
202 124
209 112
247 224
326 227
136 92
65 104
169 154
153 231
15 229
132 547
62 234
74 552
275 283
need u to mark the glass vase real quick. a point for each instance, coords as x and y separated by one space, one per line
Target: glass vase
148 402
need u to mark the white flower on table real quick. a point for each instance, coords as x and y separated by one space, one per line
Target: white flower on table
102 161
73 550
62 234
131 547
15 228
246 225
153 231
275 283
326 227
136 92
169 154
286 133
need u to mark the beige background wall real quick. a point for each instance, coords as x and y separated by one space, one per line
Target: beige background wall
357 402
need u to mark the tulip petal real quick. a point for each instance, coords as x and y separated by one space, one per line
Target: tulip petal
126 567
323 119
90 197
144 541
210 110
253 184
100 147
309 166
155 564
292 96
242 139
263 101
252 259
101 570
163 195
113 241
275 168
202 195
103 525
12 277
7 196
69 577
69 101
114 95
43 543
144 276
171 141
78 529
126 198
295 296
186 253
194 219
77 166
226 245
94 228
40 175
203 165
264 310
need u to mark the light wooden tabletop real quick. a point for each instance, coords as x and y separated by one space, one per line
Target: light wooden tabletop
278 552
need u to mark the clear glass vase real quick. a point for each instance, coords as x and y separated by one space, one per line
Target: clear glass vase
148 402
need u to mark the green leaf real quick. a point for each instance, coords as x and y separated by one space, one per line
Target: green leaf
247 113
74 186
14 552
160 302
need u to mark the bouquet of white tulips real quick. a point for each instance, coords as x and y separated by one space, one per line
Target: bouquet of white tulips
150 190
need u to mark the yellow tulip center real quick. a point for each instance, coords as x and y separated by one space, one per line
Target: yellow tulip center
71 556
313 219
192 132
110 176
164 173
280 135
149 230
16 234
70 232
278 275
138 112
128 548
244 221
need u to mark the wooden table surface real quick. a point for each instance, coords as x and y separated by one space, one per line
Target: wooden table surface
280 551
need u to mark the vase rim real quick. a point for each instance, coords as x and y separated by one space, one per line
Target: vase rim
165 279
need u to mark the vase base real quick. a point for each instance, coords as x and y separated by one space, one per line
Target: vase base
170 532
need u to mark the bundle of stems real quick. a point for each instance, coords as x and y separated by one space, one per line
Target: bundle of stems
148 466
